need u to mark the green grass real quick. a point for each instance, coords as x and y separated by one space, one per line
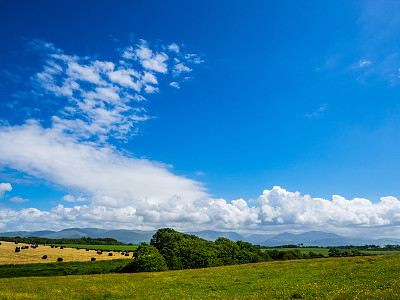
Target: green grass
62 268
322 251
363 277
102 247
325 251
381 252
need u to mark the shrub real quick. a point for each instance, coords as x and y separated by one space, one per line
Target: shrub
147 259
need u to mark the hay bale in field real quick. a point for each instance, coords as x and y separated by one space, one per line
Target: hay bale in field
16 243
60 259
52 246
87 249
93 259
99 252
127 254
17 249
110 254
44 257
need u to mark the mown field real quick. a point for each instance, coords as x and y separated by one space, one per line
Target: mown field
103 247
30 255
363 277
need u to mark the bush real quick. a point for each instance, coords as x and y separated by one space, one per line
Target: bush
147 259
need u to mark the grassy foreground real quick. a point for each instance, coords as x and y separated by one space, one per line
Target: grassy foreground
332 278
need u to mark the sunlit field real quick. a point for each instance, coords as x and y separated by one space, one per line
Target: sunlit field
325 251
31 255
361 277
103 247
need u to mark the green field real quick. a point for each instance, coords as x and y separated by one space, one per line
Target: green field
61 269
363 277
325 251
102 247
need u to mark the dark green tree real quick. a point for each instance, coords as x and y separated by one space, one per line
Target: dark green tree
146 259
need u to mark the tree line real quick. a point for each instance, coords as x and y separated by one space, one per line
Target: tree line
80 241
173 250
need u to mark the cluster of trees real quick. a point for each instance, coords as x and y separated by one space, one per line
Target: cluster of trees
334 252
372 247
173 250
80 241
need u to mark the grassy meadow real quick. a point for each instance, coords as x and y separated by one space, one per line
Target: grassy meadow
363 277
325 251
31 255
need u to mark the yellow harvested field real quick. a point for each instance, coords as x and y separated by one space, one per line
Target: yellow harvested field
34 255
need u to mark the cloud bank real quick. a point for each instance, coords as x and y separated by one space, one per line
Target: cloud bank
275 210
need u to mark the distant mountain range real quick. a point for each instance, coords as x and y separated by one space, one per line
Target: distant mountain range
311 238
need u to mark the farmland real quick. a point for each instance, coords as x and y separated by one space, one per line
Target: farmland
325 251
34 255
103 247
362 277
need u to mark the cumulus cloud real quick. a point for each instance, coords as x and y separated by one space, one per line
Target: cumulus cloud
274 211
175 84
174 48
70 198
4 187
179 68
104 98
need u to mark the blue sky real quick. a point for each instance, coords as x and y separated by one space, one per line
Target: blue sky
146 114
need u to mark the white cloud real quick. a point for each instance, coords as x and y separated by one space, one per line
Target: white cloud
18 199
179 68
101 94
151 89
4 187
70 198
317 113
110 177
194 58
276 210
174 48
364 62
149 78
149 60
175 85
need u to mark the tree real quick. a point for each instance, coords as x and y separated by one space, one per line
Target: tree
333 252
147 259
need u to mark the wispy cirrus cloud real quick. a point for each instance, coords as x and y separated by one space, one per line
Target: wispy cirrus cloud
317 113
379 25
